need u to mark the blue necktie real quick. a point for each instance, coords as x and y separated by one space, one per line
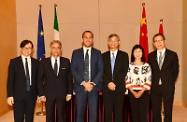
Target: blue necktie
112 62
86 67
27 75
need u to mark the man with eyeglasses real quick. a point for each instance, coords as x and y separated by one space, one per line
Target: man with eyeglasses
21 83
165 68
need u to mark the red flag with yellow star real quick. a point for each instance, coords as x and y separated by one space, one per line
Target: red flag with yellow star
143 33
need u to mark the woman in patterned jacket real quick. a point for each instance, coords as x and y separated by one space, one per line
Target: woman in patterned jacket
138 82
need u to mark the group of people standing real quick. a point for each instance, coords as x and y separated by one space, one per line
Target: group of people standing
51 79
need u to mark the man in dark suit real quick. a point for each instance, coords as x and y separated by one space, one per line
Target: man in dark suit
21 83
116 63
87 70
165 68
55 83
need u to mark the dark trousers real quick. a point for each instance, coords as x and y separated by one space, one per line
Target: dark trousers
139 107
82 98
55 107
167 94
113 100
24 108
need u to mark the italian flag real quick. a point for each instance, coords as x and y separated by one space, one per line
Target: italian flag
56 29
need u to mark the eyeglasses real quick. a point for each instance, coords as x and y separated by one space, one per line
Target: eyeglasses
158 41
27 48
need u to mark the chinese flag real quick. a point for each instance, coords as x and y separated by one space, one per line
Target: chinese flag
143 32
161 30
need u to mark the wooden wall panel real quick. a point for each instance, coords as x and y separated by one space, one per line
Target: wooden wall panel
184 53
8 44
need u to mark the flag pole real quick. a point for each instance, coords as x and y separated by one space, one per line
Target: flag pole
42 112
162 111
161 32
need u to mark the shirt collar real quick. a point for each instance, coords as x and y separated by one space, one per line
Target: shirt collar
163 51
115 53
85 48
55 58
23 57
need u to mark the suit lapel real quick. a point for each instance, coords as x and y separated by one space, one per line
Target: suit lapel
50 65
61 65
108 64
117 61
22 65
32 67
92 61
165 59
81 59
155 59
81 56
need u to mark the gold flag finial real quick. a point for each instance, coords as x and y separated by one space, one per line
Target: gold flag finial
40 5
55 5
143 4
161 20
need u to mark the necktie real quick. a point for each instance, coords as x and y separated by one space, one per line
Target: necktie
55 67
112 62
160 65
27 75
86 67
160 60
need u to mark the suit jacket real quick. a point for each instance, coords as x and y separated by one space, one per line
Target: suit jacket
168 72
77 68
52 86
120 70
16 82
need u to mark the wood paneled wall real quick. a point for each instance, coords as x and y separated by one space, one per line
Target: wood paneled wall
8 46
184 53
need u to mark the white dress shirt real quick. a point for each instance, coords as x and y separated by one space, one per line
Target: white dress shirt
53 63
